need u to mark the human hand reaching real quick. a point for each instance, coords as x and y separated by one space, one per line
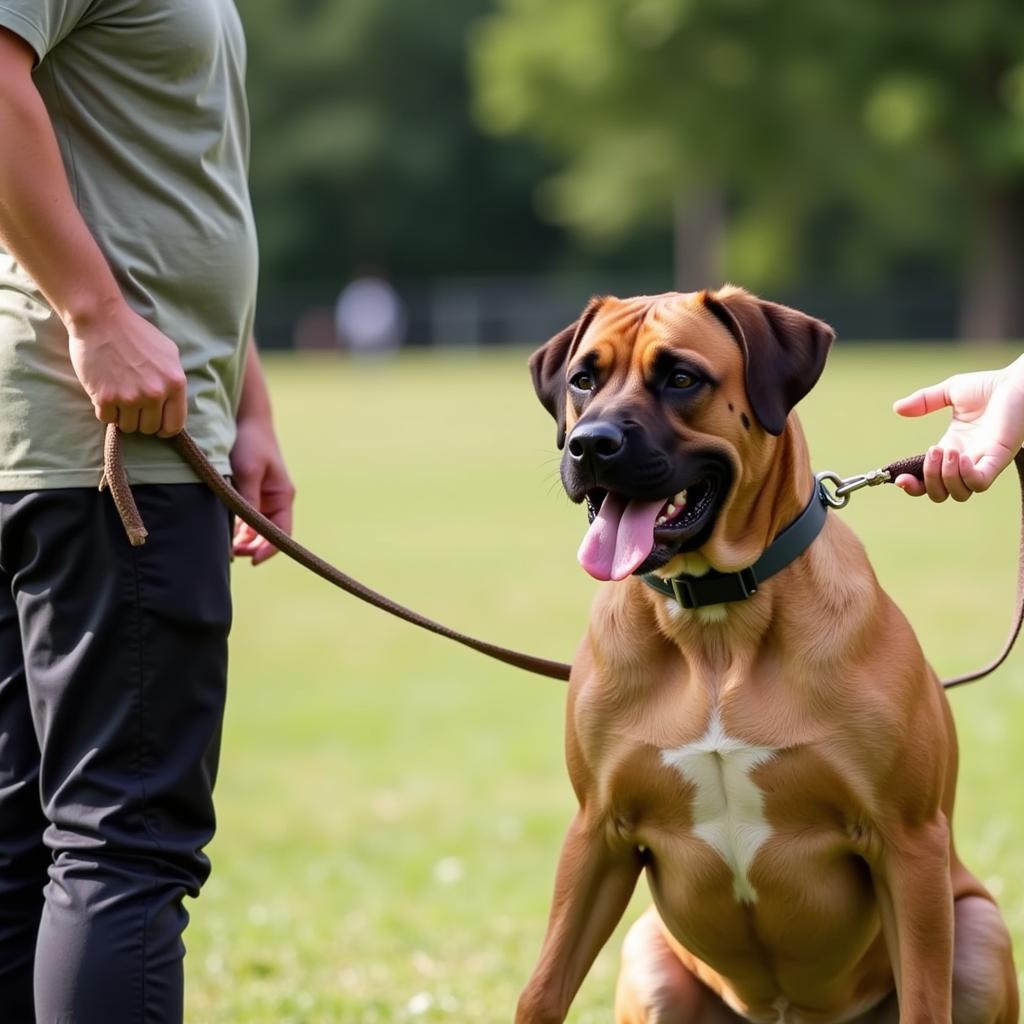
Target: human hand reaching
986 432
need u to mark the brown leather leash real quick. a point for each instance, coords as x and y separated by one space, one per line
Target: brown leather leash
915 467
116 478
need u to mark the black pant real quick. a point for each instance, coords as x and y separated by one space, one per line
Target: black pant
113 663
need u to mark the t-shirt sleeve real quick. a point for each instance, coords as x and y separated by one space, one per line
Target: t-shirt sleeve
43 23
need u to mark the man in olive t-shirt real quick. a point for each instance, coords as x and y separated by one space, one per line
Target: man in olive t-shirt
127 285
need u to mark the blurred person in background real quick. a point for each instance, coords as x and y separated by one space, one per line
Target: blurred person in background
986 432
127 288
370 317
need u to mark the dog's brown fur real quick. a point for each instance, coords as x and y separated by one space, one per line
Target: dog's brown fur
857 895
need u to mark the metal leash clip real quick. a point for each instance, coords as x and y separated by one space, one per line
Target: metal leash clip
839 496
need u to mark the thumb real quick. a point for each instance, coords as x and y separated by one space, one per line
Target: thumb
924 400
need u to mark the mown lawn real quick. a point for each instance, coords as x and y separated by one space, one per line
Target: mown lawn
391 806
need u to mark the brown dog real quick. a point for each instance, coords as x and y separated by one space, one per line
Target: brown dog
782 767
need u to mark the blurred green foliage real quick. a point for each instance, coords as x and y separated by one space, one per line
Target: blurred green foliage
851 143
365 155
899 116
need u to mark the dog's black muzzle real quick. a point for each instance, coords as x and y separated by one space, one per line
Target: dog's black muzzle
620 455
616 455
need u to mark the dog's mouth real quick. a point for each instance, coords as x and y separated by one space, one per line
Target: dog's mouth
629 535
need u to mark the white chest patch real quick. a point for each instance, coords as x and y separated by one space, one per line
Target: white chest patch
728 807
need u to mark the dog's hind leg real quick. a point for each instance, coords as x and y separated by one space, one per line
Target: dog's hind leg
984 979
656 988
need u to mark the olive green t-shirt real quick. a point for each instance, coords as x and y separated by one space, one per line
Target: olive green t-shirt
147 100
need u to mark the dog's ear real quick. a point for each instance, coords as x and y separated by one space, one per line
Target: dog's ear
784 351
548 363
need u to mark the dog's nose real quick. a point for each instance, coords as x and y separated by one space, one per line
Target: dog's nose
598 440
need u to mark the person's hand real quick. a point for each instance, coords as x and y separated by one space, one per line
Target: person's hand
130 371
262 479
986 432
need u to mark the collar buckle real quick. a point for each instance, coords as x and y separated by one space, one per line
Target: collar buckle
714 588
682 588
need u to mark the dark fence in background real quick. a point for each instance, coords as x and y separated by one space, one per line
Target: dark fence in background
473 312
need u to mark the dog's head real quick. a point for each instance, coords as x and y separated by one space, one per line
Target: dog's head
666 406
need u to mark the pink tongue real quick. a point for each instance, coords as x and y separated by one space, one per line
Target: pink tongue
620 538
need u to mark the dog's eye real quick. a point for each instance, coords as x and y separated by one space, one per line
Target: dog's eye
582 381
682 380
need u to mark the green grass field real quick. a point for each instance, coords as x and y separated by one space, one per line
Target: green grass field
391 806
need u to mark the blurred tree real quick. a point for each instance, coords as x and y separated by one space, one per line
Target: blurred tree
840 141
940 88
365 154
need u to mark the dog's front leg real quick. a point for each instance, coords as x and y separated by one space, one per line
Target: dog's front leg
595 879
915 901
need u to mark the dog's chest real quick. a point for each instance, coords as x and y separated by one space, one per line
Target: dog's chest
727 803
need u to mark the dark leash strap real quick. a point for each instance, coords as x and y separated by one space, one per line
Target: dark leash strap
915 467
117 480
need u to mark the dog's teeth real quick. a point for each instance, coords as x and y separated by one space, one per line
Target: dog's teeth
661 521
671 510
680 499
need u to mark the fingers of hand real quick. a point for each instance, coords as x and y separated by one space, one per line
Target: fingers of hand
980 475
106 412
924 400
161 411
277 507
245 539
951 478
251 480
174 413
249 544
128 418
149 418
944 477
263 552
933 482
910 484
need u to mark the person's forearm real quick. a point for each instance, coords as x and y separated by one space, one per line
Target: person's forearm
255 398
39 222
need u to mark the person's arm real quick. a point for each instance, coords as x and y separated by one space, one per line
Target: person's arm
257 464
131 371
986 432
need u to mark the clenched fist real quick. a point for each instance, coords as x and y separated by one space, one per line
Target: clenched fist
131 372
